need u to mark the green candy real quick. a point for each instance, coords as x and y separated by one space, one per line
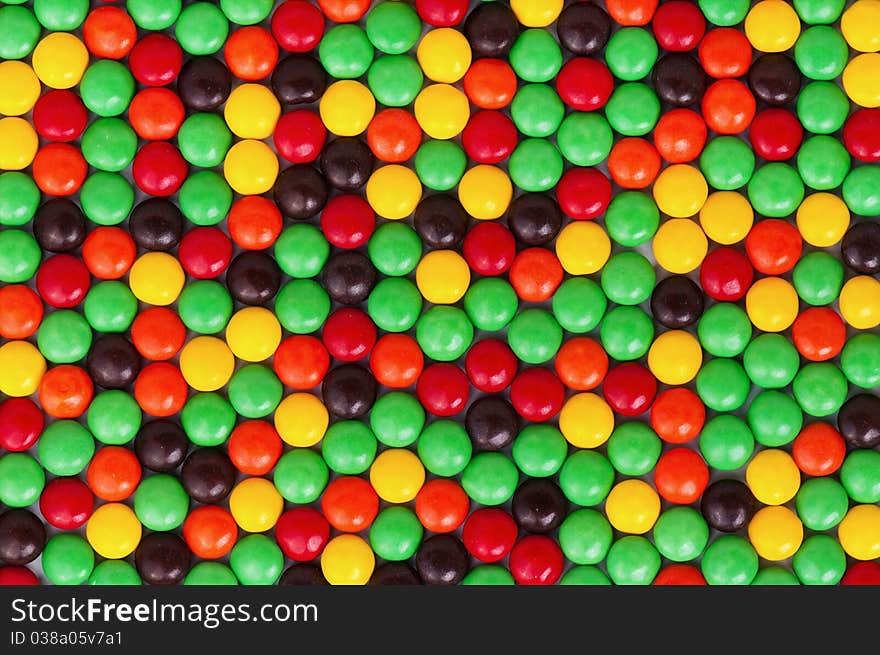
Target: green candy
109 144
254 391
536 56
302 306
860 360
394 304
207 419
488 574
823 162
535 165
19 32
106 198
537 111
729 560
534 336
630 53
727 162
585 138
632 218
771 361
585 536
861 190
205 574
821 503
822 107
633 109
345 51
444 333
349 447
161 503
114 417
539 450
65 448
204 139
256 560
818 278
205 306
724 13
397 419
774 576
586 478
440 165
819 561
774 418
110 306
628 278
205 198
246 12
723 385
396 534
632 561
584 576
201 28
19 194
820 388
393 27
61 15
115 573
821 53
21 480
626 333
681 534
395 249
726 442
20 256
633 448
300 476
67 559
724 330
776 190
301 250
490 479
860 475
445 448
395 80
107 86
578 305
154 15
64 337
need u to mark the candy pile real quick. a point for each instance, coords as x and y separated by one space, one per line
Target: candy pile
440 293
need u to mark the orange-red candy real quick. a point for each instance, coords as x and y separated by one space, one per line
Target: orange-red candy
210 531
631 12
251 53
535 274
678 415
254 222
581 363
65 391
108 252
818 449
679 574
633 163
819 334
490 83
109 32
350 504
728 106
681 475
344 11
160 389
59 169
680 135
254 447
114 473
394 135
156 114
158 333
396 361
774 246
301 361
725 52
21 311
441 505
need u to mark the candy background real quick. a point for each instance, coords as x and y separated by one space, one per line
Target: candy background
320 318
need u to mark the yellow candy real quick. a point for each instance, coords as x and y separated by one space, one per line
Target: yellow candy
253 334
861 80
156 278
443 277
536 13
859 532
397 475
18 143
583 247
21 368
442 111
632 506
444 55
206 363
485 192
776 533
250 167
860 25
60 60
860 302
347 107
675 357
773 477
251 111
301 420
772 304
19 88
822 219
255 504
680 245
113 531
394 191
680 190
586 420
772 26
347 560
726 217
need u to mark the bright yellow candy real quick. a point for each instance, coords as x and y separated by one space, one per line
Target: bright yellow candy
776 533
822 219
19 88
632 506
347 560
206 363
680 245
860 25
485 192
251 111
443 277
861 80
250 167
301 420
586 420
860 302
394 191
347 107
536 13
675 357
772 26
442 111
113 531
255 504
773 477
156 278
444 55
726 217
583 247
253 334
397 474
18 143
859 532
680 191
60 60
21 368
772 304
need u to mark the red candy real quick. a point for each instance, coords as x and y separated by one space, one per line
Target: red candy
537 395
442 13
678 26
66 503
776 134
680 136
349 334
490 365
726 275
350 504
156 60
156 114
535 274
678 415
679 574
297 26
63 281
861 135
299 136
583 193
348 221
204 252
254 447
396 361
21 423
443 389
819 449
728 106
819 334
536 560
60 115
159 169
489 248
489 534
302 533
584 84
489 137
59 169
629 389
394 135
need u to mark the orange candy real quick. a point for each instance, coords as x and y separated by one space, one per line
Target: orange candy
394 135
396 361
678 415
633 163
535 274
301 361
725 52
21 311
490 83
158 333
818 449
251 53
254 447
344 11
819 334
254 222
59 169
108 252
441 505
160 389
681 475
728 106
350 504
581 363
210 531
114 473
680 136
156 114
109 32
631 12
65 391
